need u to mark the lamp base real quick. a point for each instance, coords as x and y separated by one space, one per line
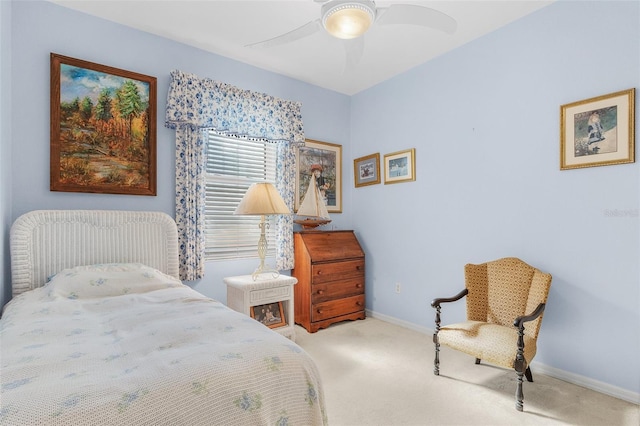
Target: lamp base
265 272
262 269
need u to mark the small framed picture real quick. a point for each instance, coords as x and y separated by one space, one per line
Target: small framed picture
598 131
400 166
366 170
270 314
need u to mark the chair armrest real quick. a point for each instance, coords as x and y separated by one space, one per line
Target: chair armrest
437 302
519 322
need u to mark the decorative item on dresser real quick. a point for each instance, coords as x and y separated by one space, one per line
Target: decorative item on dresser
313 208
329 266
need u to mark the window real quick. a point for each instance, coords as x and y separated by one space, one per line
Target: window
233 164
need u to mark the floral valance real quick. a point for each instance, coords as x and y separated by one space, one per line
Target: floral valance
196 105
205 103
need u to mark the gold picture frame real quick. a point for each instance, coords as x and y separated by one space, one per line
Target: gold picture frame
269 314
598 131
366 170
327 157
103 129
400 166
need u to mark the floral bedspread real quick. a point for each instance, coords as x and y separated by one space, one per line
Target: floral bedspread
126 345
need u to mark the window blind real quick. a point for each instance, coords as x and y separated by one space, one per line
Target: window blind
233 164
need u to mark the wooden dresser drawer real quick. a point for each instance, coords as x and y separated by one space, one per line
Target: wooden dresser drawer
325 272
337 290
337 307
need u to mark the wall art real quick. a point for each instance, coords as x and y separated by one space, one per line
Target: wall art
598 131
366 170
323 161
103 129
400 166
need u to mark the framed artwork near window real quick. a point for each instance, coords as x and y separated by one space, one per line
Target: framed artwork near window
323 161
270 314
103 129
598 131
400 166
366 170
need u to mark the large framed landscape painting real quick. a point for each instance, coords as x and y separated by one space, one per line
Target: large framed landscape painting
103 129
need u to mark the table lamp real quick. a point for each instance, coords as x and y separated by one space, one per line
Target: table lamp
262 199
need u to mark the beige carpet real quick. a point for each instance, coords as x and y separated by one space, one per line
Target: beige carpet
377 373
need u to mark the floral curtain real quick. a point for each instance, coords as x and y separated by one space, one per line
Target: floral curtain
196 105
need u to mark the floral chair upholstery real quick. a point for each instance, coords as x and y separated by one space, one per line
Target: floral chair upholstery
503 296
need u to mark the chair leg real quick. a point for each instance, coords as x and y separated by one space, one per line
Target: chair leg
477 361
436 361
519 366
528 374
436 342
519 393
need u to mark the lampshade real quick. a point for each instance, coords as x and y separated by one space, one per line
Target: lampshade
262 199
348 19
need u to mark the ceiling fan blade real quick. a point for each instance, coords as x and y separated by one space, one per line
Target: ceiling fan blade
354 48
293 35
399 14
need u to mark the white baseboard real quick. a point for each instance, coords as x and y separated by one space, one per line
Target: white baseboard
573 378
587 382
402 323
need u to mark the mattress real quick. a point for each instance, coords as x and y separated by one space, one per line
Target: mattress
126 344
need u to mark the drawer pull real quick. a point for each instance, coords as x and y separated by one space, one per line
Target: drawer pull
319 311
358 285
320 291
359 303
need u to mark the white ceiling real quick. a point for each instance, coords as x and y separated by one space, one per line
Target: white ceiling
226 27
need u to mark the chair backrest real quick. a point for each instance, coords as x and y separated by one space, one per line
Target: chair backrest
503 289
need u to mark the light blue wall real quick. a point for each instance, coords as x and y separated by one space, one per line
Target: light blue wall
41 27
484 120
5 148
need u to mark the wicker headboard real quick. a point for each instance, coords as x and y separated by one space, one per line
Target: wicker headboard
44 242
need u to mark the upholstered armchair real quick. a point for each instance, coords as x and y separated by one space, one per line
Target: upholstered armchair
505 301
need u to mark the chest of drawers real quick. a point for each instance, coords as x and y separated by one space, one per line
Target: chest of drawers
329 266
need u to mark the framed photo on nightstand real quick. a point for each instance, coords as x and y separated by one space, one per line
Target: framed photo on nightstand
270 314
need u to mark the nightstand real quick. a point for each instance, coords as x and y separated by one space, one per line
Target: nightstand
243 294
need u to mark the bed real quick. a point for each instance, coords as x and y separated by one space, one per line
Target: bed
101 331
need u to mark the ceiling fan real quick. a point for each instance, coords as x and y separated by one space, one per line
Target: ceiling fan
350 19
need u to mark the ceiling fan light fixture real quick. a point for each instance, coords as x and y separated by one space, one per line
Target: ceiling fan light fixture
348 19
